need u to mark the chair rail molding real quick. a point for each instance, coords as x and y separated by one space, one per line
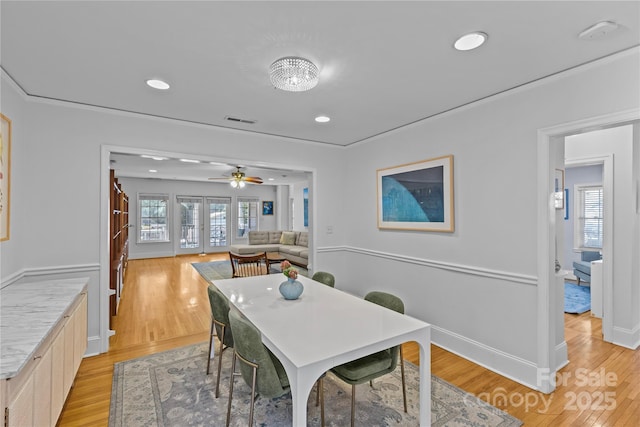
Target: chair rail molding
449 266
43 272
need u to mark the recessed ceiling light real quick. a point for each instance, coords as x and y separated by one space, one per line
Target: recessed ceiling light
598 30
153 170
146 156
270 179
470 41
158 84
322 119
190 161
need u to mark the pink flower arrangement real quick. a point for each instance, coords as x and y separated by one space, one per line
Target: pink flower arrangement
288 270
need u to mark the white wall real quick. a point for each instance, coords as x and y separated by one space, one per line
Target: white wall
12 105
477 285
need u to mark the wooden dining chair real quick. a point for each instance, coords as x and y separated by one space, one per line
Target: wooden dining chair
374 365
259 367
324 277
249 265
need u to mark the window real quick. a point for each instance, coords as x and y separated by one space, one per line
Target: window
153 218
247 216
589 223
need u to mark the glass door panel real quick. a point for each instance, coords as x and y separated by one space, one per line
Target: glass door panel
191 225
218 217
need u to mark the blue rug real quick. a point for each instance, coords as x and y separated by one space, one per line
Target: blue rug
577 299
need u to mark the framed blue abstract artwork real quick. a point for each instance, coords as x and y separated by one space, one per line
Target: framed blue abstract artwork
417 196
305 199
267 207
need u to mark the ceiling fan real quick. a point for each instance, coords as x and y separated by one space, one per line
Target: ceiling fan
238 179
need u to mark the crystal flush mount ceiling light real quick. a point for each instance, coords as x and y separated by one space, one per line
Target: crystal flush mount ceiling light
293 74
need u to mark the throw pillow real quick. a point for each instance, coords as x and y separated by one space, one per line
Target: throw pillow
288 238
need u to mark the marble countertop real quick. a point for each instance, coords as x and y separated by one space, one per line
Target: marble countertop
28 312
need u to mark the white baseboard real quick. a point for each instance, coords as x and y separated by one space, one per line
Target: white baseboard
629 338
562 355
93 346
145 255
507 365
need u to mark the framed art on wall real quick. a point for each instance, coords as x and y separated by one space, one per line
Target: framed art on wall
305 201
417 196
267 207
5 175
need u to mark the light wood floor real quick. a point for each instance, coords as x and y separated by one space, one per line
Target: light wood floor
165 305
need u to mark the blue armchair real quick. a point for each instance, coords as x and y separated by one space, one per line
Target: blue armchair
582 268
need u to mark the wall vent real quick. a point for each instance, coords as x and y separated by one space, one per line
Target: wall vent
239 120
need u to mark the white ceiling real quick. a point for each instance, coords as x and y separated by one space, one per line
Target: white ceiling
383 64
134 166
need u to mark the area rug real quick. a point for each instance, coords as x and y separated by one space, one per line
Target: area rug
577 299
172 389
217 270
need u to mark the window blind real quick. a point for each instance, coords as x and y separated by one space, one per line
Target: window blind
590 221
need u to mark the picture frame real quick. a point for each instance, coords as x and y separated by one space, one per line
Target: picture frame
417 196
5 177
558 188
305 204
267 207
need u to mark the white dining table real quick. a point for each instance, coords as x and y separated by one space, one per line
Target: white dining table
324 328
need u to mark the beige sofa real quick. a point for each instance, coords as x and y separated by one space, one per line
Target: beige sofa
292 245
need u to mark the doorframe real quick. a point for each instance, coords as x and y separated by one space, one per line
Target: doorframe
105 156
178 227
548 140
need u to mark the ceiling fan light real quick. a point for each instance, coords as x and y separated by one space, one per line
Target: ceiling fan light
234 183
241 184
293 74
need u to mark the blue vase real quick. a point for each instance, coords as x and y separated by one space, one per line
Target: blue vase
291 289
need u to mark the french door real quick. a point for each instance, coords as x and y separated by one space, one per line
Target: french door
203 224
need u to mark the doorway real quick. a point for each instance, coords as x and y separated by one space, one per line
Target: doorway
552 351
203 224
583 233
612 148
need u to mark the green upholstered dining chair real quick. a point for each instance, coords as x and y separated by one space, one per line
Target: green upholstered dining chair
259 368
324 277
219 324
374 365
